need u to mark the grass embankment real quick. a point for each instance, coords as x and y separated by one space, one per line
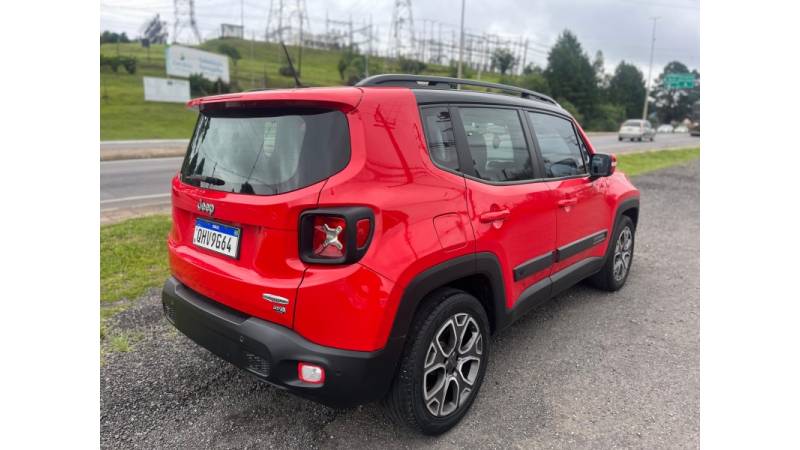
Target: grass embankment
133 257
638 163
133 253
125 115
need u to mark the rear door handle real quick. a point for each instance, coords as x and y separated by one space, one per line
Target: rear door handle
567 202
493 216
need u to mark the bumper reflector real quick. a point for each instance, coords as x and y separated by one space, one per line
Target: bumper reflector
309 373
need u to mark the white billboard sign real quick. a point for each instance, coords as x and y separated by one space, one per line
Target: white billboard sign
231 31
166 90
185 61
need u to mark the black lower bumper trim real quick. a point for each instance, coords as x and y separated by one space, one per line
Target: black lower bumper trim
271 352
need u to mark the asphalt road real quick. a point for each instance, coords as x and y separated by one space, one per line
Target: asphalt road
588 369
137 183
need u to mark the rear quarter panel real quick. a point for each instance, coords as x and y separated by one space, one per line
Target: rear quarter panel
391 173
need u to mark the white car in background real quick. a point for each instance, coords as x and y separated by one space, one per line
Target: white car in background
637 130
681 129
665 128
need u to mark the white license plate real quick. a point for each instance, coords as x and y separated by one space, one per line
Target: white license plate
217 237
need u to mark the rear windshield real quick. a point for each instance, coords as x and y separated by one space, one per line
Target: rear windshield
266 151
632 123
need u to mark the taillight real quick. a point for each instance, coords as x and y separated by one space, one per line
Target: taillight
363 229
330 236
335 235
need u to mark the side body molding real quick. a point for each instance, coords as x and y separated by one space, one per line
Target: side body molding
487 265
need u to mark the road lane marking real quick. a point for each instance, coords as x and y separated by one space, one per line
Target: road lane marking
136 197
144 160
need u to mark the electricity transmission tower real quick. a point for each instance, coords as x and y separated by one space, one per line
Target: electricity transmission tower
283 17
184 19
402 29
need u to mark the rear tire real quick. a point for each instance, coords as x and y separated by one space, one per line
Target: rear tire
619 257
443 364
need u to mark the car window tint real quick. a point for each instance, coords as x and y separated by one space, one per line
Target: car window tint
266 151
439 134
497 144
559 145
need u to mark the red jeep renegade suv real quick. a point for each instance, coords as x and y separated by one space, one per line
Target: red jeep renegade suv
353 244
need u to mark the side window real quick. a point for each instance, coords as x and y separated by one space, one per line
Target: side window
439 133
497 144
559 145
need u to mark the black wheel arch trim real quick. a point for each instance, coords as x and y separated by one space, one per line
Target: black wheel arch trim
625 206
460 267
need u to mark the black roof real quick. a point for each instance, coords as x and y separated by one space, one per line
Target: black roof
433 89
425 96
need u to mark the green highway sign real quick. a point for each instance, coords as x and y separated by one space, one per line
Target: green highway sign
679 81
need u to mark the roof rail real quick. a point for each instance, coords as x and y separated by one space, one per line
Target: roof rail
434 82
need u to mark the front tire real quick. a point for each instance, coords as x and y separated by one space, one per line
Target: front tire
619 257
443 364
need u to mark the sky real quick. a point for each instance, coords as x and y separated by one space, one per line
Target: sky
621 29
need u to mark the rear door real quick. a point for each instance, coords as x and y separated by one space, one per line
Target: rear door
247 175
512 211
582 213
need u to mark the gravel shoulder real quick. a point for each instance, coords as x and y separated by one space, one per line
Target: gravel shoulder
588 369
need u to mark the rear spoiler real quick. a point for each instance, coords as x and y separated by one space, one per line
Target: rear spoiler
344 98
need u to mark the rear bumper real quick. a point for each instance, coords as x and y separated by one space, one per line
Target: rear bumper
271 352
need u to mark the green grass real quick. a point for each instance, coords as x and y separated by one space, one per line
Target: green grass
638 163
133 259
123 342
125 115
120 343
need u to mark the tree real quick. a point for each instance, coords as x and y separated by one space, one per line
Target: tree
231 51
407 65
599 66
466 71
109 37
201 86
503 60
347 59
532 68
626 89
570 75
532 78
566 104
607 117
672 105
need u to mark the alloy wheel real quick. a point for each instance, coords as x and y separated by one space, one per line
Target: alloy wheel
623 252
452 364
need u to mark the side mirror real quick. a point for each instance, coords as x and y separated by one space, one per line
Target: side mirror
602 165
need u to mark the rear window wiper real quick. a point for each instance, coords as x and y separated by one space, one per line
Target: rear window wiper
206 179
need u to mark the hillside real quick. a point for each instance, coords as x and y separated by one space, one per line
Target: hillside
125 115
